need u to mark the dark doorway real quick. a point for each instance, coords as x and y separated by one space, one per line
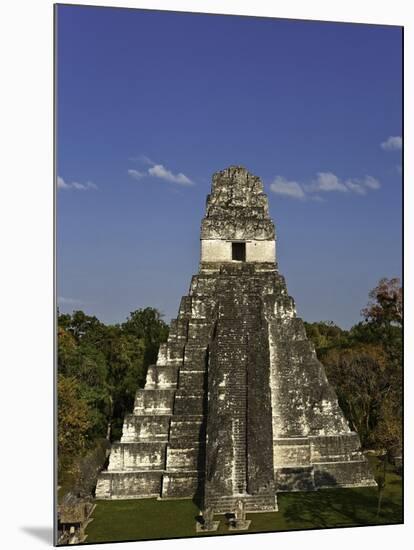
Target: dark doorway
238 252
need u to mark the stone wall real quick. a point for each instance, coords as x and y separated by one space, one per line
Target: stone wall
219 250
238 405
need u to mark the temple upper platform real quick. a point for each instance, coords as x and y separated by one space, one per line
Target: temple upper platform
237 226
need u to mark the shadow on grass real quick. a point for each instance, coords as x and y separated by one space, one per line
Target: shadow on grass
144 519
339 507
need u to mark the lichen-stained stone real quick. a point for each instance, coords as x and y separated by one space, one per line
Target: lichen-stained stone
145 428
127 485
137 456
187 427
180 484
161 377
238 407
154 401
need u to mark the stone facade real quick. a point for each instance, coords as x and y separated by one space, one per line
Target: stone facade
238 407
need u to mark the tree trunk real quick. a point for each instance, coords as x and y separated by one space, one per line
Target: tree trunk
381 484
109 425
380 491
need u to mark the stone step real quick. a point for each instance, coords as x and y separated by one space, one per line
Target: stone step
201 308
190 402
187 429
351 473
138 428
191 379
182 457
299 478
291 451
185 309
198 365
158 402
181 484
178 330
334 448
169 354
137 456
253 503
162 377
195 356
199 332
128 485
187 417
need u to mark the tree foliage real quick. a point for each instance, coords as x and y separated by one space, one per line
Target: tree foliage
364 365
146 324
100 368
361 382
73 420
385 306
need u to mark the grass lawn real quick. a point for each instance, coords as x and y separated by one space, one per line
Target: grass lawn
155 519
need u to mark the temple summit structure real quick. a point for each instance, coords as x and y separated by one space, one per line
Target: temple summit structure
238 407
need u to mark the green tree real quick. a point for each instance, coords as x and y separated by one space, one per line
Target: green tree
325 335
360 378
73 421
125 356
384 315
147 324
365 367
100 368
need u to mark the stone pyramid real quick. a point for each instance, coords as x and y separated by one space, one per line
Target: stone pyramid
238 407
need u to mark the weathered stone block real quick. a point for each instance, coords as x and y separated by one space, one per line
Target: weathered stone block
335 448
181 456
343 474
187 427
291 452
237 391
145 428
137 456
299 478
192 379
189 402
161 377
195 356
179 484
154 402
126 485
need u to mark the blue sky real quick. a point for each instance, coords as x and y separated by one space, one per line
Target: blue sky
151 104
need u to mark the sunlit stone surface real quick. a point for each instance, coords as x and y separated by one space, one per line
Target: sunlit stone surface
237 407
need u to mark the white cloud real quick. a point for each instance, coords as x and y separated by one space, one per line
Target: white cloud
393 143
282 186
62 184
371 182
355 187
325 182
136 174
146 160
143 159
159 171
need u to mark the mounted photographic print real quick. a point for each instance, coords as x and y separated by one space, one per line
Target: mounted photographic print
229 261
